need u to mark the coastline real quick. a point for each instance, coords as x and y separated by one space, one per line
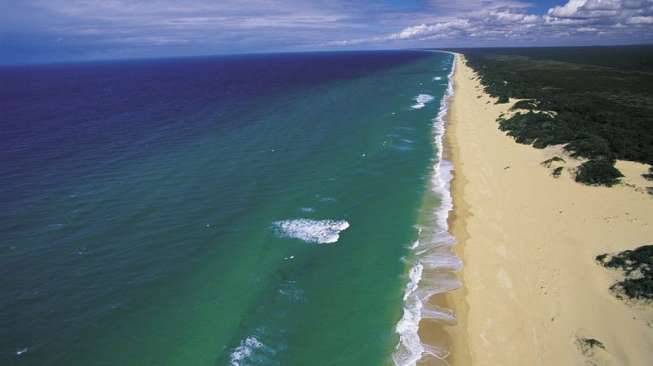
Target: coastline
460 353
432 272
531 288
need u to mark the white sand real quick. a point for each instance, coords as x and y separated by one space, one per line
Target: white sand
531 286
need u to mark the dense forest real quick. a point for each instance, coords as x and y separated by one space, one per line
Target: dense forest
601 99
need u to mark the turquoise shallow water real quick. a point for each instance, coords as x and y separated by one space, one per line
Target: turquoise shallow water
267 224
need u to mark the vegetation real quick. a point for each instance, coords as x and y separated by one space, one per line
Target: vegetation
602 99
556 172
632 58
598 172
548 162
587 346
591 343
525 104
537 129
649 175
637 266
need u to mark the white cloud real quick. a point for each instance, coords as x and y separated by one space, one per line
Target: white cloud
569 10
486 20
594 8
168 27
423 30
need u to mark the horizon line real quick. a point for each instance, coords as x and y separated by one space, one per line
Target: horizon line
216 55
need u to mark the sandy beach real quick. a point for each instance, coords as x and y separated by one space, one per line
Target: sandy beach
532 289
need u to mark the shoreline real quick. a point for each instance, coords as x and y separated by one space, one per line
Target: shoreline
452 335
531 288
434 260
460 353
448 335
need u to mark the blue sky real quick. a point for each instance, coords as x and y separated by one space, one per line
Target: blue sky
56 30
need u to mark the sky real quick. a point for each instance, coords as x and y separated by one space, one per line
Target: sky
67 30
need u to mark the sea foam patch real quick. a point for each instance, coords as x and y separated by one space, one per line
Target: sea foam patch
421 100
244 351
311 231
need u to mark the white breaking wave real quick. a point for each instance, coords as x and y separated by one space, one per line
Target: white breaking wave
244 351
437 78
311 231
434 255
421 100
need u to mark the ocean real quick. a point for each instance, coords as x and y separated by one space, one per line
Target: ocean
271 209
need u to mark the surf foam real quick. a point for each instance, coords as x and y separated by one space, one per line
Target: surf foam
244 351
433 253
311 231
421 100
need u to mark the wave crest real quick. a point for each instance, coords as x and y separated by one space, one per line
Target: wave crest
433 255
244 351
311 231
421 100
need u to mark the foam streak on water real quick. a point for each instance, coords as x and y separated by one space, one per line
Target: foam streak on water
244 351
421 100
311 231
433 255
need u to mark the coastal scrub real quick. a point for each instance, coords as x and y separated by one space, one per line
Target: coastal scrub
599 107
637 266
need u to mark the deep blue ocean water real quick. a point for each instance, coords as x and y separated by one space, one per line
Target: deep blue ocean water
240 210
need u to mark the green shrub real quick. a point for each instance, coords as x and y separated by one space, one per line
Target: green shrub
537 129
586 344
548 162
503 99
589 146
637 266
525 104
649 175
634 288
556 172
598 172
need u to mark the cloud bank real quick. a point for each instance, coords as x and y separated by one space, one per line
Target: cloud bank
43 30
511 23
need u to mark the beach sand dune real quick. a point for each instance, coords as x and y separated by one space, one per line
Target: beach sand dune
533 293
